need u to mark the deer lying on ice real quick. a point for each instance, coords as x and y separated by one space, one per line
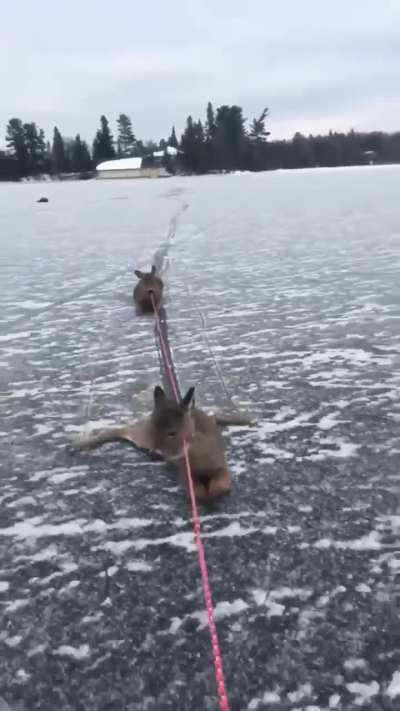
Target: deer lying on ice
164 432
149 284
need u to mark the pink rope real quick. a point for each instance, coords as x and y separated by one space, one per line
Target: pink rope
218 668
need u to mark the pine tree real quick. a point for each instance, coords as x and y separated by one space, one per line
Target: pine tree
211 127
58 153
210 133
193 146
173 141
81 160
35 143
257 128
15 141
126 139
230 138
302 152
103 148
149 147
258 153
139 149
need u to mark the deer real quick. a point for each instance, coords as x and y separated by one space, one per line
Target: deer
149 285
173 428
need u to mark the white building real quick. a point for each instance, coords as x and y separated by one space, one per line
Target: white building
169 151
129 168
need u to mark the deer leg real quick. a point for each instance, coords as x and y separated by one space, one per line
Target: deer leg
200 491
200 488
219 485
96 439
138 434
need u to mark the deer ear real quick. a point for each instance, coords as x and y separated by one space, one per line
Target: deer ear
159 395
188 397
153 270
138 274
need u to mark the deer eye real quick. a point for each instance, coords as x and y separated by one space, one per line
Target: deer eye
171 433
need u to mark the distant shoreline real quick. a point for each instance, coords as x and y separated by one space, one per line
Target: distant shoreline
47 179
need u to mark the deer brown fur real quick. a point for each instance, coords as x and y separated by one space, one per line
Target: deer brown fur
149 283
164 433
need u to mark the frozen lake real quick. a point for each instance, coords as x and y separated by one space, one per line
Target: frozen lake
293 280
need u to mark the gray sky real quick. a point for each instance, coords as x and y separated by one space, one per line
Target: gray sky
316 64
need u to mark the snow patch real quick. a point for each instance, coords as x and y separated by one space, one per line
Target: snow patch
43 429
221 610
393 689
370 542
270 697
136 566
81 652
263 599
364 692
328 422
32 529
31 304
300 693
301 420
363 588
17 604
13 641
343 450
354 663
356 356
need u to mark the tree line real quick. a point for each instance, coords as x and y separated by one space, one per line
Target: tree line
223 141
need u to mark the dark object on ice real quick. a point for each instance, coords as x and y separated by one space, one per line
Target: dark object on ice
43 199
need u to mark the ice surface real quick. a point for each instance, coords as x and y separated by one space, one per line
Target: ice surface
289 282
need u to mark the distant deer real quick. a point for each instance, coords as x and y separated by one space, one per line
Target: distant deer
149 284
164 432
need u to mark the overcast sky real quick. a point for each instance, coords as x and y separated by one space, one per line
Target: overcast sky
316 64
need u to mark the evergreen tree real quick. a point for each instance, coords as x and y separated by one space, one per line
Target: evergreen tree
15 141
103 148
35 143
210 134
149 147
139 149
221 143
173 141
257 155
58 153
69 147
303 155
211 127
230 138
193 147
257 128
48 163
328 150
126 138
81 160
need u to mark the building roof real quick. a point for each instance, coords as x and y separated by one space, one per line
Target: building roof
121 164
170 151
